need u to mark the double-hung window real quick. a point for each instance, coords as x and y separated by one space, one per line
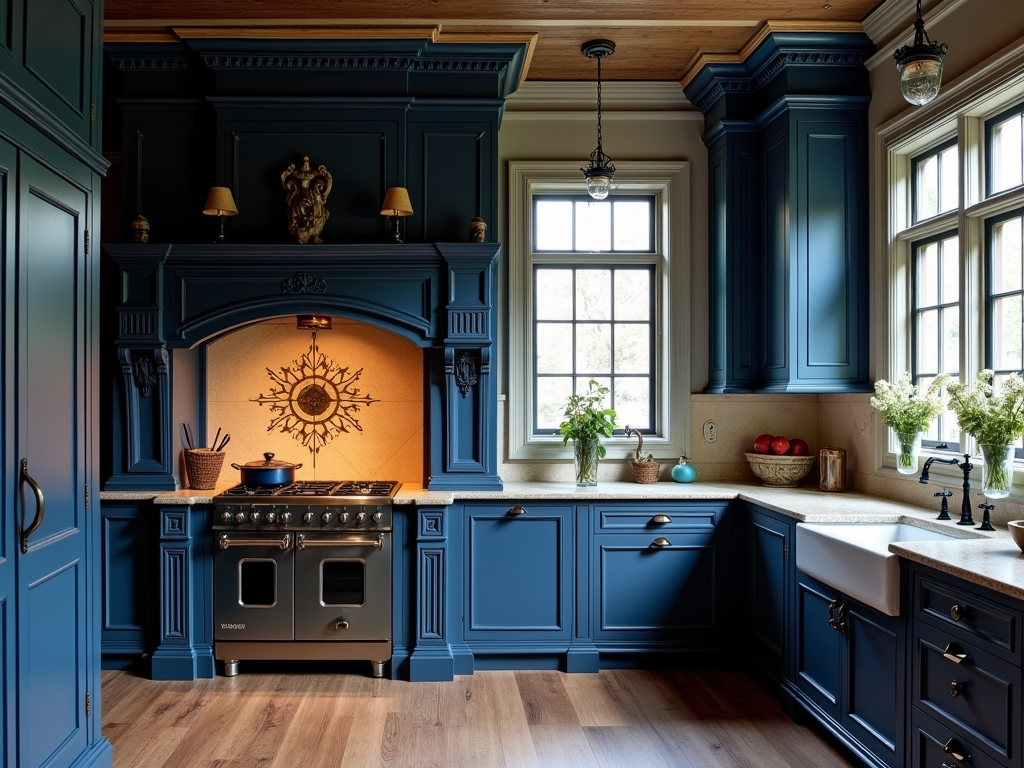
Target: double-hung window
954 173
598 291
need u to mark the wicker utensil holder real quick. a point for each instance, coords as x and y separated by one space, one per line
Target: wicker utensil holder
203 468
646 471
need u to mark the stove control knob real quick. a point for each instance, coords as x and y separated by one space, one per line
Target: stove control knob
360 517
377 517
343 517
226 517
271 517
307 517
326 517
254 516
240 517
286 517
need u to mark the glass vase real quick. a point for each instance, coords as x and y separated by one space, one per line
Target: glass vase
996 470
908 452
585 462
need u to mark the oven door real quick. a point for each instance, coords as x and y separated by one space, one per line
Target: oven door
343 586
253 580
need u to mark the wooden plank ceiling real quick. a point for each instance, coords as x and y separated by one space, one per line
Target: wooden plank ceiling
655 39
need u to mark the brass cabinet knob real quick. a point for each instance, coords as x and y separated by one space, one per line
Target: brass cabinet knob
955 689
957 612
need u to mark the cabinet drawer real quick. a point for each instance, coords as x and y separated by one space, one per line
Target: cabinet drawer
992 627
933 745
659 517
978 697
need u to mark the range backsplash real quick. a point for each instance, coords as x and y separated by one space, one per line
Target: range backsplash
345 403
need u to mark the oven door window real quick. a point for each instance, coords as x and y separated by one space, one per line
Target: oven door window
257 582
342 582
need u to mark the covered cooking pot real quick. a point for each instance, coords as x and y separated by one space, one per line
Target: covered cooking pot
267 472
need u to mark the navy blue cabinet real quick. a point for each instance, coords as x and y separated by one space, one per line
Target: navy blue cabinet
965 671
769 589
128 547
659 578
517 577
849 670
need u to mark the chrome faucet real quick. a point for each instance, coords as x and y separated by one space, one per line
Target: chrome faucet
965 507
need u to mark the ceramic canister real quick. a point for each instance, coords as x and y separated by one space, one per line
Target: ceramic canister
832 469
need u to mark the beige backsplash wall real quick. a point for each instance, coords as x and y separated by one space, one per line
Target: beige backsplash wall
846 421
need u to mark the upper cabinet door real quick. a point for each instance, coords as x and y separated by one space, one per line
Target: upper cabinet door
47 48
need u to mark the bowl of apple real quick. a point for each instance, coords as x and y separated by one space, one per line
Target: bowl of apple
780 462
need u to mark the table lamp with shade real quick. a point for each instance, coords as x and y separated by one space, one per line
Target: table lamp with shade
220 203
396 204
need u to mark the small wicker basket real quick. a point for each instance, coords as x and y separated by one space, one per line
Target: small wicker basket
646 471
203 468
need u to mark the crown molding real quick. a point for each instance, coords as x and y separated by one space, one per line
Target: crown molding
616 95
895 26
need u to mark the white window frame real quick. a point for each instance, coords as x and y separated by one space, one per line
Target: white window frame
960 110
669 182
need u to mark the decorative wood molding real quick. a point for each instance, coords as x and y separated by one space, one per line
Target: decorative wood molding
431 594
304 282
465 373
144 373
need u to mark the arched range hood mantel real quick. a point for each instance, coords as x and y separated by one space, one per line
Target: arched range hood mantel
440 296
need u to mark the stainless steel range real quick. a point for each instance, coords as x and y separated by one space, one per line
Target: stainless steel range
303 571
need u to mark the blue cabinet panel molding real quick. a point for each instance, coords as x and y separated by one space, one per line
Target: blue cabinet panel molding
786 132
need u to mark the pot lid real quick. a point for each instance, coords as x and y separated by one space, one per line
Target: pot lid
269 462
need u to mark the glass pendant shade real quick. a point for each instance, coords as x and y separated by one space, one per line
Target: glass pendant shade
599 185
920 79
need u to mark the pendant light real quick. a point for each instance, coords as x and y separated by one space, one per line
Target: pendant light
920 65
600 172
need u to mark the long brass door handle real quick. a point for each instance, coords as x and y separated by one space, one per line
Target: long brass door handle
40 506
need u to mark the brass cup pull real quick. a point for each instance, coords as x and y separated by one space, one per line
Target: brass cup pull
661 541
661 519
957 612
955 653
956 749
516 510
955 689
341 625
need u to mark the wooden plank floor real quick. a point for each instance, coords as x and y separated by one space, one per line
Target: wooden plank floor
284 718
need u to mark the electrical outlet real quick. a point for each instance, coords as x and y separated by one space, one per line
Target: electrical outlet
710 431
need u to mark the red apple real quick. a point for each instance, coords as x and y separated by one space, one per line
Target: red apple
798 447
763 443
780 445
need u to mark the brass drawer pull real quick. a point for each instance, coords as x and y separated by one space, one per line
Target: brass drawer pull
661 519
956 749
957 612
956 689
661 541
955 653
516 510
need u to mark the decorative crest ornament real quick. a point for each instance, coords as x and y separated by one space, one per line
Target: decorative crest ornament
304 282
314 400
306 200
144 373
465 373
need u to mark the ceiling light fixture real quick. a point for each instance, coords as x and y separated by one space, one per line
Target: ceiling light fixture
600 172
920 65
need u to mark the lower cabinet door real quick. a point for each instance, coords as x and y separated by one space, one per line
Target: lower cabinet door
818 666
659 587
518 572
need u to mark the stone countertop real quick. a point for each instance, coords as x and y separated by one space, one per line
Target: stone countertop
989 559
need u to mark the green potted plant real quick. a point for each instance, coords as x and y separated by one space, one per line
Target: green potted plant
645 468
585 422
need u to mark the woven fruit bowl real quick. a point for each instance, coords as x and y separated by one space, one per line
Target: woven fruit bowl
780 471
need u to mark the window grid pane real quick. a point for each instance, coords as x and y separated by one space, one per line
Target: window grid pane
935 181
579 224
1005 150
936 326
595 343
1005 296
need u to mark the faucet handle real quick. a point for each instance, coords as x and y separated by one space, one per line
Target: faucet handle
986 522
945 493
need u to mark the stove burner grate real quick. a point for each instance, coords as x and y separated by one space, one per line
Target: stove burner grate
306 488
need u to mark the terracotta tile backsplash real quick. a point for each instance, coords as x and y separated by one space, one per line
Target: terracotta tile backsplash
315 400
